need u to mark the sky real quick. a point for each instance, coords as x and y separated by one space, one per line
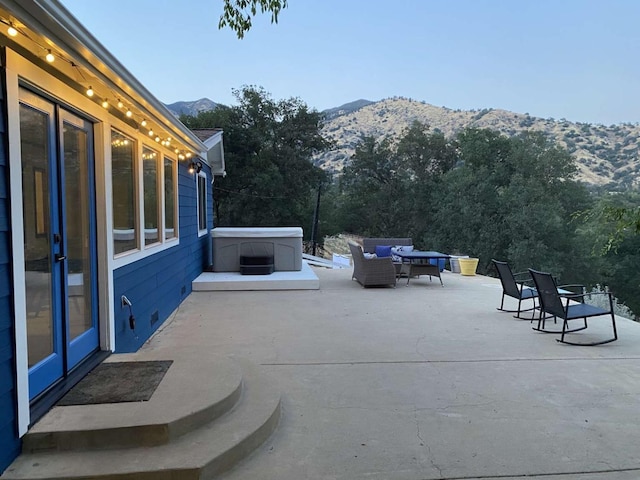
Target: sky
572 59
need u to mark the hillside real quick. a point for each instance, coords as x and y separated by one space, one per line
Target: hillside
604 154
191 107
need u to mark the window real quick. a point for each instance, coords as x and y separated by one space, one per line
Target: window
123 180
202 202
169 199
145 198
151 196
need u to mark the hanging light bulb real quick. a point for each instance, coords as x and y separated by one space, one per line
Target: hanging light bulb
168 139
143 123
12 31
105 104
157 139
188 154
120 104
49 57
89 91
129 113
177 151
151 133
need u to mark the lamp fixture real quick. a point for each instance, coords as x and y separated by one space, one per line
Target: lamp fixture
90 91
105 104
12 31
49 57
195 167
143 123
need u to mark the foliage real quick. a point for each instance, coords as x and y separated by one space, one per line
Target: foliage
268 148
237 14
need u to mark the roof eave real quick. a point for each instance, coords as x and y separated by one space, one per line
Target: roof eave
50 19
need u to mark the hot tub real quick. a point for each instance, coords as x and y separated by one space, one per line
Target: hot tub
284 243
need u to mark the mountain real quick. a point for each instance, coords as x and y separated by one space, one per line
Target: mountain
350 107
191 108
604 154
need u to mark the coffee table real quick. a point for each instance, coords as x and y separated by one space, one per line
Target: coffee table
416 263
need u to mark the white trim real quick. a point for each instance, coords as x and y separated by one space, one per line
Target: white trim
17 227
199 175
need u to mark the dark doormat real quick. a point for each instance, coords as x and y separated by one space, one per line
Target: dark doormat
117 383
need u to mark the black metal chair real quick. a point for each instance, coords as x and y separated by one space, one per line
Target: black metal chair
551 303
513 285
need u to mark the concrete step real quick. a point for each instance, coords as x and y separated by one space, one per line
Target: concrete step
181 403
202 453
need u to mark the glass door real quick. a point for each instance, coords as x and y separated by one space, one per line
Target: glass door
58 197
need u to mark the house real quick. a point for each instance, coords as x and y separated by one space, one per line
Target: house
105 210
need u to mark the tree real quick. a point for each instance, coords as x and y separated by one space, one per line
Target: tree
270 180
237 14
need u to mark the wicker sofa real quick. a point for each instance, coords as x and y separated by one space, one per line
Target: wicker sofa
369 246
371 271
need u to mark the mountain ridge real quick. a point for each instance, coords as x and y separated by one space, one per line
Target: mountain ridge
605 155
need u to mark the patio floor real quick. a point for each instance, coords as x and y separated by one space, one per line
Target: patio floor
422 382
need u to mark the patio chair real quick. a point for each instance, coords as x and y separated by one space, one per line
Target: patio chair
514 285
371 271
564 306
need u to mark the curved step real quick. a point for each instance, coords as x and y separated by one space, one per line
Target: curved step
200 454
169 413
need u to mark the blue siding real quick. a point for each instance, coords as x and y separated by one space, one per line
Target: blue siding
161 282
9 441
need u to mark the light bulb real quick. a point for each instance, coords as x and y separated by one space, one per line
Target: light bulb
157 139
120 104
143 123
168 139
89 92
177 151
105 104
151 133
188 154
129 113
49 57
12 31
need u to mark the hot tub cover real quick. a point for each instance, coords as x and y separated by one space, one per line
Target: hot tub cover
256 232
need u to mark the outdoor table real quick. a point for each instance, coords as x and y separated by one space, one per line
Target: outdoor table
417 263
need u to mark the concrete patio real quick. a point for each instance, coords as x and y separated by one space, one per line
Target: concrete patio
422 382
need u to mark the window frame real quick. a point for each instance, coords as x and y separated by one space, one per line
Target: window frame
142 250
201 214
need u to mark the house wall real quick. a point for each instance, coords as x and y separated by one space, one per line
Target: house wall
157 284
8 406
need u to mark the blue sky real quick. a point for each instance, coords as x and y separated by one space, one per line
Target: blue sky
551 58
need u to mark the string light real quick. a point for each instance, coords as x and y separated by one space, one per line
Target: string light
50 57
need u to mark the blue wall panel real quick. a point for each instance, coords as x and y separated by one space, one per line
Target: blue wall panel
9 441
161 282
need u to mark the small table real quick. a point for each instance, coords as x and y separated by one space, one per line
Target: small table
416 263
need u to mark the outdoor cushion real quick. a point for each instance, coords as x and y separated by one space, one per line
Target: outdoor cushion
383 250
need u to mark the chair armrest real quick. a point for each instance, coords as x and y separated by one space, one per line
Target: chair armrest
520 274
379 260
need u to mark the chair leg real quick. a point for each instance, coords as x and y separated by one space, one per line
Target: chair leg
589 344
541 322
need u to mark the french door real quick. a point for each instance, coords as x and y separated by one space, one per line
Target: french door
60 261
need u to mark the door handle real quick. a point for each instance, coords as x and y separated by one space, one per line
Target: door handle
60 258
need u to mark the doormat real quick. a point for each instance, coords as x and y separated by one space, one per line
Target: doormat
118 382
